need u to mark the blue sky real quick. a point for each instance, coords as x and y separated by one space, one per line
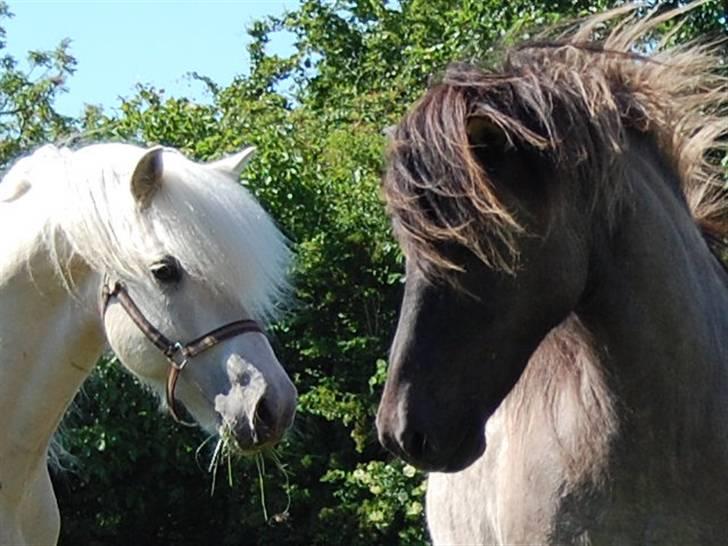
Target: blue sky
118 43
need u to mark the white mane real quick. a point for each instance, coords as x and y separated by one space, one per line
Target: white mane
211 224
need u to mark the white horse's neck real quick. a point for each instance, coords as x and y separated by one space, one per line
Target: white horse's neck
49 341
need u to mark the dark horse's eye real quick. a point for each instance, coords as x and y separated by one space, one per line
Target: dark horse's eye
167 270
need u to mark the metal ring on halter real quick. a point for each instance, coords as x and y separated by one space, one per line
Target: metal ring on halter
178 349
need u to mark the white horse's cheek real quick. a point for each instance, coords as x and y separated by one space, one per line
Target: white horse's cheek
134 353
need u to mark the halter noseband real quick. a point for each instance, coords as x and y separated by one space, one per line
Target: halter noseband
176 353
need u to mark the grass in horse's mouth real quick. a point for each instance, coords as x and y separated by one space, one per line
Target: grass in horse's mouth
227 449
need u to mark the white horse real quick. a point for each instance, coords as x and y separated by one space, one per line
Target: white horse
143 251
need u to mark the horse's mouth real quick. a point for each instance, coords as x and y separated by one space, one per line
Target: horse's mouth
467 450
470 448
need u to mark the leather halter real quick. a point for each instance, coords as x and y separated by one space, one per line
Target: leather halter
176 353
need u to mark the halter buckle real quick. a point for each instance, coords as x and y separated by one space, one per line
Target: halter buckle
177 356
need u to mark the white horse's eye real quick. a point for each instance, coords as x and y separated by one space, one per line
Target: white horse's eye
167 270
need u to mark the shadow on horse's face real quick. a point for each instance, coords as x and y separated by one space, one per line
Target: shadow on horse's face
460 347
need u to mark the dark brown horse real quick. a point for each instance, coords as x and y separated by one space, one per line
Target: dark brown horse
561 360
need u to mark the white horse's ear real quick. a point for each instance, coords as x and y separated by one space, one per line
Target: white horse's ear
10 191
147 177
234 164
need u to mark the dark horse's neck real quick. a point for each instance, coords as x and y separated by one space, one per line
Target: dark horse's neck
658 310
718 245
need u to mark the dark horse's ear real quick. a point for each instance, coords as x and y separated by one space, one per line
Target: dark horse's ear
489 143
484 133
389 132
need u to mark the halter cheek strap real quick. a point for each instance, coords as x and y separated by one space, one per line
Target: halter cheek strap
178 354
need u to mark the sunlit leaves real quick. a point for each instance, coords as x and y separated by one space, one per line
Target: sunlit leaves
28 90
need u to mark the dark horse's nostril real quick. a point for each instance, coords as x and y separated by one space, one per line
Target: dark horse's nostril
415 444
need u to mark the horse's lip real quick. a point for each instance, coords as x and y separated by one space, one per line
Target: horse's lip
469 449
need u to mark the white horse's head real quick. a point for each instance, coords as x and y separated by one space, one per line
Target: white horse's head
192 251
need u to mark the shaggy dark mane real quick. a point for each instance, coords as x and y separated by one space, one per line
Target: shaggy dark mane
572 97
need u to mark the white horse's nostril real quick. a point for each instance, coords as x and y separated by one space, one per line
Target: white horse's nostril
265 421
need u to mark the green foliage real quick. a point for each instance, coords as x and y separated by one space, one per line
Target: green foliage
316 118
27 116
388 497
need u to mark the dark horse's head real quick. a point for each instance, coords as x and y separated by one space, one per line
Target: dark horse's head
490 269
500 184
